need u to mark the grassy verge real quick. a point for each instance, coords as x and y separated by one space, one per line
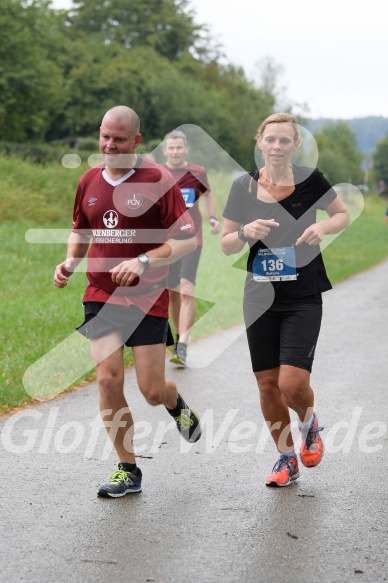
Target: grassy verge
35 316
363 244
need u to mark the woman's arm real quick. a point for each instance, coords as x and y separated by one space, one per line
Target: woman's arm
210 205
231 243
338 220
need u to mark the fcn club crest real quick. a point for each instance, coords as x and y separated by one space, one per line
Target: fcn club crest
134 201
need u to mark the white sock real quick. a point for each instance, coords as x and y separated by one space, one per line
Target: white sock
290 453
305 426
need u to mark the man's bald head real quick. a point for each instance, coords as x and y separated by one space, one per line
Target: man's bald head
124 115
119 138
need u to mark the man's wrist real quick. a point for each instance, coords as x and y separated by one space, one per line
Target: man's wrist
144 260
213 218
69 265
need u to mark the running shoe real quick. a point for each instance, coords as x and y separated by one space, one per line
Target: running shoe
188 423
311 450
284 472
179 354
174 354
121 482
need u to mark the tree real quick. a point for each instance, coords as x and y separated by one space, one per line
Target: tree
100 77
165 25
30 82
61 70
245 105
339 158
380 161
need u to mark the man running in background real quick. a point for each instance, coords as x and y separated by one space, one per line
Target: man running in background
193 182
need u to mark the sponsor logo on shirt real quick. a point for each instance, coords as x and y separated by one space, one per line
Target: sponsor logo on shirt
92 201
110 234
134 201
110 218
113 235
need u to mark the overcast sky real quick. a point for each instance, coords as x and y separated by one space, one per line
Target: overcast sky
333 53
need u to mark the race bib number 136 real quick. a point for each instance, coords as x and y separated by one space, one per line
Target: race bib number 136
277 264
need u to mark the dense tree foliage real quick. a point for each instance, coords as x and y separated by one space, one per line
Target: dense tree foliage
339 158
60 70
31 83
380 161
369 130
165 25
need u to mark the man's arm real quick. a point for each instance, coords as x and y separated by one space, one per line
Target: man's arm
77 248
170 251
210 206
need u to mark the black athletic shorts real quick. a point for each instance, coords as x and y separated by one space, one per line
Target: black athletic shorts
287 333
186 267
136 327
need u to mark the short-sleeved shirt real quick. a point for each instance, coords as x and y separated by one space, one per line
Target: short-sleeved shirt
192 181
125 218
294 214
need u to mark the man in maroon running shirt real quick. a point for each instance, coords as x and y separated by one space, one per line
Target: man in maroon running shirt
131 221
193 183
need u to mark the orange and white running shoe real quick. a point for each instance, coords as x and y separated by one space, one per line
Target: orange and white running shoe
311 450
284 472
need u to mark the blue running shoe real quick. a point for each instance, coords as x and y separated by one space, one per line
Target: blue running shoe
121 483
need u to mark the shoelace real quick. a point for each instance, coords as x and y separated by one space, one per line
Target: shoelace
118 476
311 436
282 461
184 421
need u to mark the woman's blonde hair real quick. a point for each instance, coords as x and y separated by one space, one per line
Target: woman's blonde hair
279 118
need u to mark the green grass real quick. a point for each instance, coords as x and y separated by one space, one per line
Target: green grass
35 316
363 244
40 196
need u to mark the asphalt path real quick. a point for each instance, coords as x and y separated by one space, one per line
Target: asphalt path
205 514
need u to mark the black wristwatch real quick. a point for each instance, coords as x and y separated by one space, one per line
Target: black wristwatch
240 233
144 260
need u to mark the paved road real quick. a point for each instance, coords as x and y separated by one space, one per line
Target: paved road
205 515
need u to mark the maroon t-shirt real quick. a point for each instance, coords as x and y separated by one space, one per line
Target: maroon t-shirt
192 181
125 218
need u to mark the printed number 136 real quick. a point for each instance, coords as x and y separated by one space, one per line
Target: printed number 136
272 265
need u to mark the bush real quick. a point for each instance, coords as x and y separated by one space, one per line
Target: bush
38 153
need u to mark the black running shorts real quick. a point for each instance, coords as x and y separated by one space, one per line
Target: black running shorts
136 327
287 333
186 267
